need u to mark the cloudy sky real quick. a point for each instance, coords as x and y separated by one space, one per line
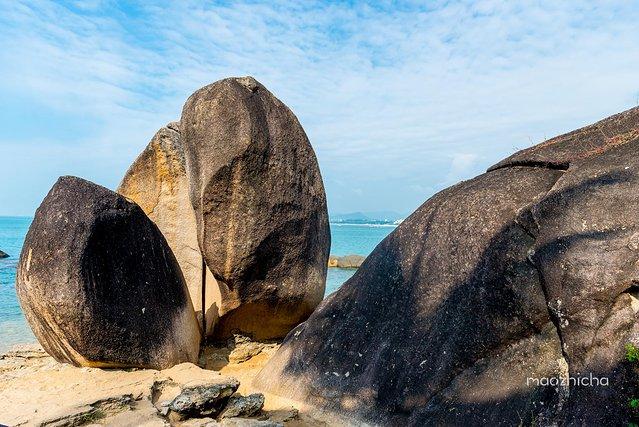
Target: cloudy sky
399 99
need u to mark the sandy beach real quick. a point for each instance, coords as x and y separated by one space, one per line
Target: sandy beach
37 390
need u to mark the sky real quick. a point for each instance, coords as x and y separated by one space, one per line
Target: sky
399 99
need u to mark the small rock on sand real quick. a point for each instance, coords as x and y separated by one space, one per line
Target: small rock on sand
204 400
243 406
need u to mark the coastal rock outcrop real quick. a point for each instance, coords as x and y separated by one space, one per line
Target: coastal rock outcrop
4 255
527 272
99 284
157 181
260 206
347 261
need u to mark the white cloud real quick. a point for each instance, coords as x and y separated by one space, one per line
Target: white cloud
398 101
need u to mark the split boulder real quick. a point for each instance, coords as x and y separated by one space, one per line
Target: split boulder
157 181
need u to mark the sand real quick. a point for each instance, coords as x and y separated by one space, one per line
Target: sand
37 390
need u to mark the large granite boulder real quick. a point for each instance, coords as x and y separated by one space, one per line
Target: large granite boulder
100 286
157 181
503 300
260 206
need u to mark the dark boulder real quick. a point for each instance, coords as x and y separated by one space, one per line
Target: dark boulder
100 286
4 255
243 406
260 206
523 273
203 400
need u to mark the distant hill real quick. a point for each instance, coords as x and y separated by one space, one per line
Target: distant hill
360 217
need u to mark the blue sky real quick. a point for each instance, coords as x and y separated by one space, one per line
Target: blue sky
399 99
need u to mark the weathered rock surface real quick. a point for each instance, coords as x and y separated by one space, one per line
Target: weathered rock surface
260 206
204 400
524 272
3 255
347 261
247 422
99 285
243 406
157 181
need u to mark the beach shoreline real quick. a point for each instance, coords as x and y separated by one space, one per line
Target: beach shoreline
35 389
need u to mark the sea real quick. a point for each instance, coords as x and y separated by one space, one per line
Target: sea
359 238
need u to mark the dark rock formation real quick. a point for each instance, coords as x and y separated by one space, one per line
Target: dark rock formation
260 206
100 286
3 255
204 400
523 273
243 406
245 422
158 182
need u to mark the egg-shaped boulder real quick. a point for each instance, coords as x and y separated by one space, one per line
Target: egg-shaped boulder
260 206
99 284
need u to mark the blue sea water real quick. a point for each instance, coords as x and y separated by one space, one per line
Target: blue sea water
346 239
352 239
13 326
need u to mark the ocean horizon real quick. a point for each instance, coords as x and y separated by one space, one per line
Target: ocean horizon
347 238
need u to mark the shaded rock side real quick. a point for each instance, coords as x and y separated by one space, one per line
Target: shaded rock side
449 288
157 181
523 272
3 255
260 206
100 286
587 251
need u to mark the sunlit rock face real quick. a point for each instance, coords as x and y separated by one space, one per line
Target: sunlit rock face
492 294
158 182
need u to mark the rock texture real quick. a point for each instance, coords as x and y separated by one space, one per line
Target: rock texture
203 400
99 285
243 406
260 206
3 255
157 181
524 272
